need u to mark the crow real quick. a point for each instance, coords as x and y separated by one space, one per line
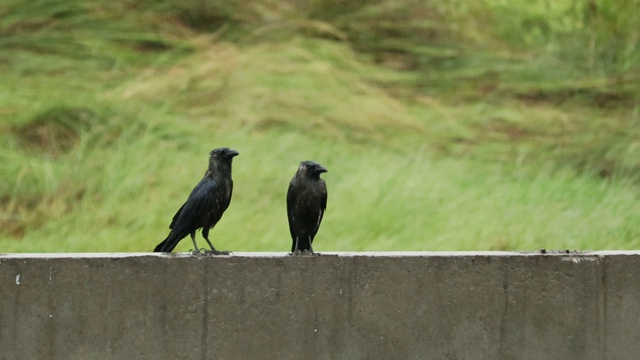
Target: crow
205 205
306 203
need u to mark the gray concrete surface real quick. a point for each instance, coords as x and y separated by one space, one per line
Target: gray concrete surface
488 305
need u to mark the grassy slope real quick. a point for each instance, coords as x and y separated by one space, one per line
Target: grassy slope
441 157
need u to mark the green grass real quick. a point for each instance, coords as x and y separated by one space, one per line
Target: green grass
439 133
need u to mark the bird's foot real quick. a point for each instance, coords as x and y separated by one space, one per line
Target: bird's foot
303 253
217 252
198 252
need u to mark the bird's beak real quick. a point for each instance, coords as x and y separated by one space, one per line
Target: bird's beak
231 153
321 169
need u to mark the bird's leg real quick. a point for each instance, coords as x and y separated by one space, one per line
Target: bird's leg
295 248
195 250
213 251
311 250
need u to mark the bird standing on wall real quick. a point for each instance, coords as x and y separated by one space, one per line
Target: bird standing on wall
306 203
205 205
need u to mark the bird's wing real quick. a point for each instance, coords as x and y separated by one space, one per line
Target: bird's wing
291 198
323 205
187 219
176 216
323 191
201 198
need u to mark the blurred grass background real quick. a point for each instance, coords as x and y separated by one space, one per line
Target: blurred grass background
445 125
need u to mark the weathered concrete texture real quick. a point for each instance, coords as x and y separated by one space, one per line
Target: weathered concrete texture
336 306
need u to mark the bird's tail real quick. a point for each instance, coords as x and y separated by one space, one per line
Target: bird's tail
167 245
160 246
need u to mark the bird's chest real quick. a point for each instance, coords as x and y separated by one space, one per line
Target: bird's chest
219 197
307 201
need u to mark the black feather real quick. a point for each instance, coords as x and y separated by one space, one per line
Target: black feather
306 204
206 203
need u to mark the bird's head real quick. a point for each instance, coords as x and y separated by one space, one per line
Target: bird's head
311 169
223 154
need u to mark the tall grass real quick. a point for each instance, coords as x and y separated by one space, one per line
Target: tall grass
439 132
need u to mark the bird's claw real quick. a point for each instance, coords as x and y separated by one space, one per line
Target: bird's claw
198 252
303 253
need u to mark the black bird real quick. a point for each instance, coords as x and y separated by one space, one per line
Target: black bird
306 202
205 205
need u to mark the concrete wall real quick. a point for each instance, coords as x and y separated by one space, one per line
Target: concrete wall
336 306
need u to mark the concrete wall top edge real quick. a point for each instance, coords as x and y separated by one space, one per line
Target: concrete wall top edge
337 254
